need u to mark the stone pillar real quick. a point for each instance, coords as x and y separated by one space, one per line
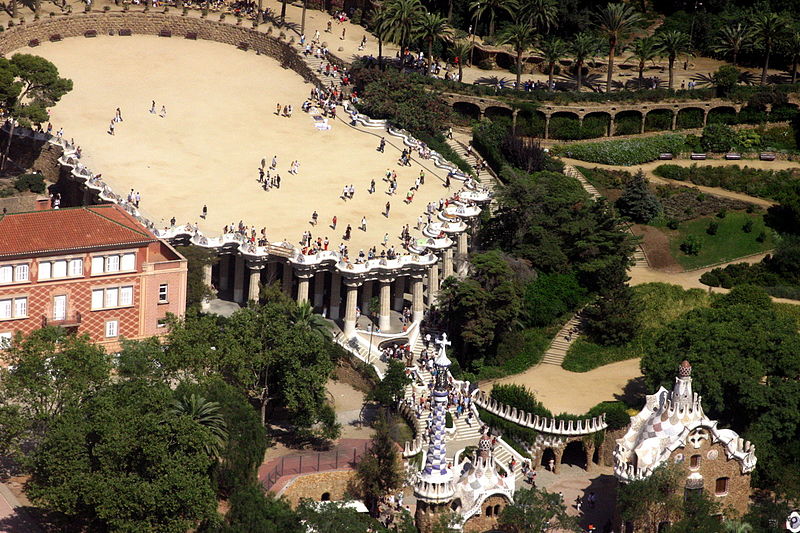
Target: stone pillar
336 287
207 274
255 282
417 302
384 321
580 120
514 120
350 308
589 454
224 270
319 290
433 284
399 293
288 272
461 244
447 264
612 126
644 117
674 119
559 453
705 117
547 126
302 287
366 296
238 280
272 272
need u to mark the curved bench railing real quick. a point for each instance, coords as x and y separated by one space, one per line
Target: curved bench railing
553 426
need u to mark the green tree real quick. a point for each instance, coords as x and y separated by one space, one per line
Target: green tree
673 43
652 500
733 40
718 138
402 19
543 14
461 50
585 47
769 30
553 50
637 202
303 316
479 8
123 461
613 319
615 22
379 471
736 526
726 78
793 49
336 517
198 258
432 28
28 86
208 415
379 28
549 297
521 36
390 389
251 510
537 510
44 374
643 50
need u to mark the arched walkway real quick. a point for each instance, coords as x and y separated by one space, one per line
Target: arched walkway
467 109
658 120
627 123
574 454
723 115
596 124
690 117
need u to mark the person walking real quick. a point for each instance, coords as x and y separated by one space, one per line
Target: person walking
205 212
382 145
163 113
388 207
333 222
363 223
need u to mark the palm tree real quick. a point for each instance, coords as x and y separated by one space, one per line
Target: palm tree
643 50
736 526
769 29
208 415
793 47
432 28
283 11
521 36
543 14
673 43
303 316
402 19
615 21
732 40
379 28
492 7
553 50
462 50
584 48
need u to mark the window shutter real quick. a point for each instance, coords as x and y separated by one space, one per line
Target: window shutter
5 274
76 267
128 262
97 299
97 265
44 269
5 308
112 297
21 273
21 307
60 269
112 263
126 296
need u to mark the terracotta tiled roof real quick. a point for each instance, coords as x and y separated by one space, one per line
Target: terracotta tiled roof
70 229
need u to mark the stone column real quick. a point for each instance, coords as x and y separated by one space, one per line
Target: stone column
674 119
447 264
547 126
204 305
336 287
705 117
319 289
350 308
417 301
366 296
288 272
612 126
272 272
580 120
384 320
433 284
255 282
644 117
238 280
224 270
559 452
302 287
399 293
461 244
514 120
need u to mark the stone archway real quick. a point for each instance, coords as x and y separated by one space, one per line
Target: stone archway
467 110
575 454
494 112
596 124
689 118
628 122
564 125
722 115
658 120
548 454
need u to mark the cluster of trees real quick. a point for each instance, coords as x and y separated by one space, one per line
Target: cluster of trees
149 439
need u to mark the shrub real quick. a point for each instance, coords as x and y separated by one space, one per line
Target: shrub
30 182
748 226
624 151
551 296
520 350
448 420
712 229
672 223
691 246
718 138
762 236
617 416
771 184
722 213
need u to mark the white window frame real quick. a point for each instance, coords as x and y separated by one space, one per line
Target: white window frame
51 269
14 304
163 298
15 273
7 274
75 268
113 263
21 272
112 329
126 296
103 296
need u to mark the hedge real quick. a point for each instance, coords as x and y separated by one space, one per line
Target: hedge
624 152
760 183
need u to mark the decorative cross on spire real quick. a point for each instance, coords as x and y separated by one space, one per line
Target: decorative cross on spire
441 359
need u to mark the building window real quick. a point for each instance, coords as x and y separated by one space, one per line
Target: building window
161 323
721 487
112 328
13 273
163 293
14 308
694 461
75 268
107 264
112 297
60 268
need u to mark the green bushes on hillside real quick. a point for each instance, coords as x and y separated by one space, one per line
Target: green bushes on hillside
624 151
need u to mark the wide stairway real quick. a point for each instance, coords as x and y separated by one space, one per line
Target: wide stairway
459 144
314 64
561 342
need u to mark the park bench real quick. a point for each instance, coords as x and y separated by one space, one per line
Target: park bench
733 156
33 43
765 156
165 33
698 157
90 33
125 32
665 156
191 35
55 37
243 46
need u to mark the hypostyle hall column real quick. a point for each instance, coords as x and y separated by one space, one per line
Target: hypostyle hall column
417 298
288 272
350 307
336 287
319 289
238 280
204 305
366 296
272 272
447 264
433 284
255 282
462 244
224 272
303 281
399 293
384 318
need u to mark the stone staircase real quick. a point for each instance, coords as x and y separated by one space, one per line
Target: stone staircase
560 345
459 145
314 64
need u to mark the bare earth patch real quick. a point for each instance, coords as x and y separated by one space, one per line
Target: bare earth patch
656 247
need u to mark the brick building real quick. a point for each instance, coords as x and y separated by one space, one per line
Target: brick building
92 270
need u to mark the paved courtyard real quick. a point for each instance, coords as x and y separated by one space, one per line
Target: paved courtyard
220 123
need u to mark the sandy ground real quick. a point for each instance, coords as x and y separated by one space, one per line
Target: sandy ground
220 123
562 391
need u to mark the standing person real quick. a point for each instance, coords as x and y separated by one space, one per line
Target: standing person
274 161
205 212
364 223
153 107
449 133
343 32
388 207
111 128
119 115
314 217
382 145
278 109
385 239
163 113
333 222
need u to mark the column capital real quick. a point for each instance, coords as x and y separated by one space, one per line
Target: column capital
353 283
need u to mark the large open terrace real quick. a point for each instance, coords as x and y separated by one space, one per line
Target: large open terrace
220 122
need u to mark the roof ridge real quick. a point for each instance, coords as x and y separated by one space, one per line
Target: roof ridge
137 230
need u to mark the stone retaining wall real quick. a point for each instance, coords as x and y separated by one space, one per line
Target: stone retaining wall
150 23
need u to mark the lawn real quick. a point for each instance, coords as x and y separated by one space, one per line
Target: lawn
729 243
